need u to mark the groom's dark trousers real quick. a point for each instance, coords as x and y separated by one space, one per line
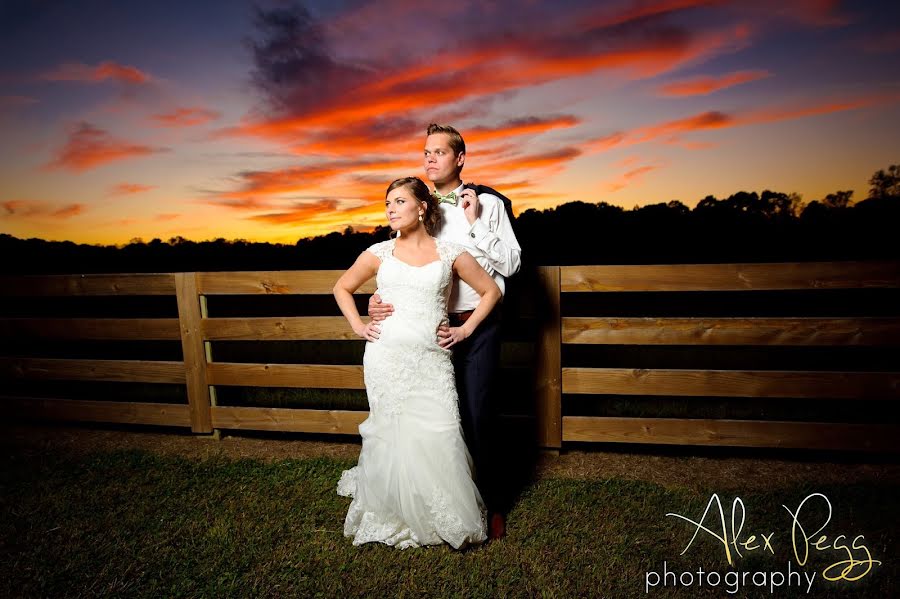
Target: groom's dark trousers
475 361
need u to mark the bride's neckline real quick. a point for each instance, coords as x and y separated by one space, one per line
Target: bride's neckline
394 247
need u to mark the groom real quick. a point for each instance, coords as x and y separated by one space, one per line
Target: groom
480 223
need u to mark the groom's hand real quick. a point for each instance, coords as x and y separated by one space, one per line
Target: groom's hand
470 204
377 310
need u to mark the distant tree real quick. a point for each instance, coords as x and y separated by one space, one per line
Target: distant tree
707 202
885 184
839 199
677 206
777 204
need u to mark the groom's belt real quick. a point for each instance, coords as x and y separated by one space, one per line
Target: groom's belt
458 318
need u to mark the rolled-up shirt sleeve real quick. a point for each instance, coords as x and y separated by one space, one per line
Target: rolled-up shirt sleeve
493 234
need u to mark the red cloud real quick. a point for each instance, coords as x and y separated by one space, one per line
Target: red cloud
80 72
89 147
701 86
130 188
186 117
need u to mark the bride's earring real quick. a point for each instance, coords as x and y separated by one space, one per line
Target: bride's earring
420 216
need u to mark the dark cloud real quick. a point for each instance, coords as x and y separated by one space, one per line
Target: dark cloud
293 65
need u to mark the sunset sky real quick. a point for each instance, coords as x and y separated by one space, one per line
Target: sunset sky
273 121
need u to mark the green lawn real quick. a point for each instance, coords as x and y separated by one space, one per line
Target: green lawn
138 524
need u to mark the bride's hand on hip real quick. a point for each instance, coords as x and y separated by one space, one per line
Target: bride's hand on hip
454 335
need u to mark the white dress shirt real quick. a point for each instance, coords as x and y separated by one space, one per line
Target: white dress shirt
490 240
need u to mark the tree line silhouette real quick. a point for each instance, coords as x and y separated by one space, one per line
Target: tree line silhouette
744 227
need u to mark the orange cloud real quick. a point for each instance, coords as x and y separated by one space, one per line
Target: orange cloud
37 208
186 117
707 120
83 73
525 126
701 86
629 177
328 214
303 178
553 159
129 189
166 217
672 131
299 213
23 207
89 147
69 211
770 115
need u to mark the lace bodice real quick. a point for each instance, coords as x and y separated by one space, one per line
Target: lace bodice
419 292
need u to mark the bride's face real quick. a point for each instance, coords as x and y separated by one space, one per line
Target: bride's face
402 209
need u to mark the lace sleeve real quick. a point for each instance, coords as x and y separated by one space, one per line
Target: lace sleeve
450 251
382 249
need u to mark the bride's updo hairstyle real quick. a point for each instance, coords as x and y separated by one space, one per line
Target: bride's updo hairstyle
420 192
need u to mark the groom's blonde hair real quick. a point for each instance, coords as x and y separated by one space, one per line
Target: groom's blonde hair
454 138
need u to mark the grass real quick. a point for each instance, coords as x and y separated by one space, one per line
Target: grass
136 523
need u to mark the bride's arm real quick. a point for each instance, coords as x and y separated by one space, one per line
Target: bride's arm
477 278
362 270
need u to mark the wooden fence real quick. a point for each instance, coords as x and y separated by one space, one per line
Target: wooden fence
201 374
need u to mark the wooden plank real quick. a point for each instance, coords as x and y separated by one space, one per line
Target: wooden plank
735 433
732 331
341 422
194 352
163 414
119 284
732 383
548 384
731 277
279 282
124 329
137 371
285 375
329 328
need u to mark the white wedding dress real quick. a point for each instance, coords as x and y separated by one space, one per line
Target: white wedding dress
413 483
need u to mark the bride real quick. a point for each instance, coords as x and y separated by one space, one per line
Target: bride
413 483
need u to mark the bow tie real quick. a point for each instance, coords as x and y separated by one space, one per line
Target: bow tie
450 198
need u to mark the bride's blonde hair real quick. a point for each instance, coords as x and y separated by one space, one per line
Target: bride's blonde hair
420 192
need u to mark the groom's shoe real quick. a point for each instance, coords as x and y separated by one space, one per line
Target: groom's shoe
496 526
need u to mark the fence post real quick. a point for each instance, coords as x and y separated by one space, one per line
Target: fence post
549 367
189 319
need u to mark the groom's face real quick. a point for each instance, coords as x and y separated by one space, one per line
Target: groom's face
440 161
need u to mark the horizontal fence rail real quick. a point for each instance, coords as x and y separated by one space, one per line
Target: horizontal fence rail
730 331
543 298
